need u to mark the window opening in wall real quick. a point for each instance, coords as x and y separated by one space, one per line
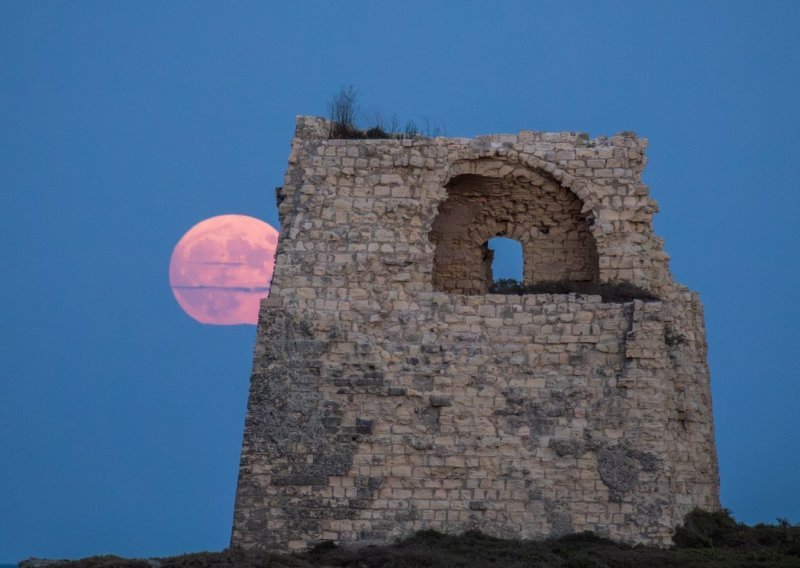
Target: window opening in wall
507 260
544 216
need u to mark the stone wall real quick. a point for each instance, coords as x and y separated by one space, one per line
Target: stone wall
391 393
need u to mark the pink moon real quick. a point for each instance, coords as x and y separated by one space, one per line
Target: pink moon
222 268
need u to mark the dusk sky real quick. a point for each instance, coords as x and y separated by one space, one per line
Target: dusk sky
123 124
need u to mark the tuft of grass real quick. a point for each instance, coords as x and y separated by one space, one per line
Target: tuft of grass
343 109
612 292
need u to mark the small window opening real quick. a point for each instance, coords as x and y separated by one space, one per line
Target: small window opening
506 259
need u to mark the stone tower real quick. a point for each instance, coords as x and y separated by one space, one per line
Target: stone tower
391 392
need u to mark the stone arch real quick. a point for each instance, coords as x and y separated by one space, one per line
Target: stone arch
488 198
531 168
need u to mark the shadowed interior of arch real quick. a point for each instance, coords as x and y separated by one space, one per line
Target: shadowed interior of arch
544 217
507 260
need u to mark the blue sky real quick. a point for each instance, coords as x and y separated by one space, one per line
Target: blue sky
122 124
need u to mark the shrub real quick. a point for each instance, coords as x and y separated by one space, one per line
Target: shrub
342 112
706 529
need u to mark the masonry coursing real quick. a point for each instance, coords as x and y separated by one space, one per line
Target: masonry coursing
391 393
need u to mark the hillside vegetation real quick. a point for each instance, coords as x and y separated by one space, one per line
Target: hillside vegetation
705 540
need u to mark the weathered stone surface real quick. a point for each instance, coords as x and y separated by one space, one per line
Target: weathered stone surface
391 393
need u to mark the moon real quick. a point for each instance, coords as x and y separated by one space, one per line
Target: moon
222 268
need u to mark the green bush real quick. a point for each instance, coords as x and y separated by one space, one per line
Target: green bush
707 529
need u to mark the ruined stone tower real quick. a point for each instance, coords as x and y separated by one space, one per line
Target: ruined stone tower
391 392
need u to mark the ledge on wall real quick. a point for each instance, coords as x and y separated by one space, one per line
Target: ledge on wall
611 292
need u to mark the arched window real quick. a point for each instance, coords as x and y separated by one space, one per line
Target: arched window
545 218
507 262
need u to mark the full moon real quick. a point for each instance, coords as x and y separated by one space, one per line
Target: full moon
222 268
